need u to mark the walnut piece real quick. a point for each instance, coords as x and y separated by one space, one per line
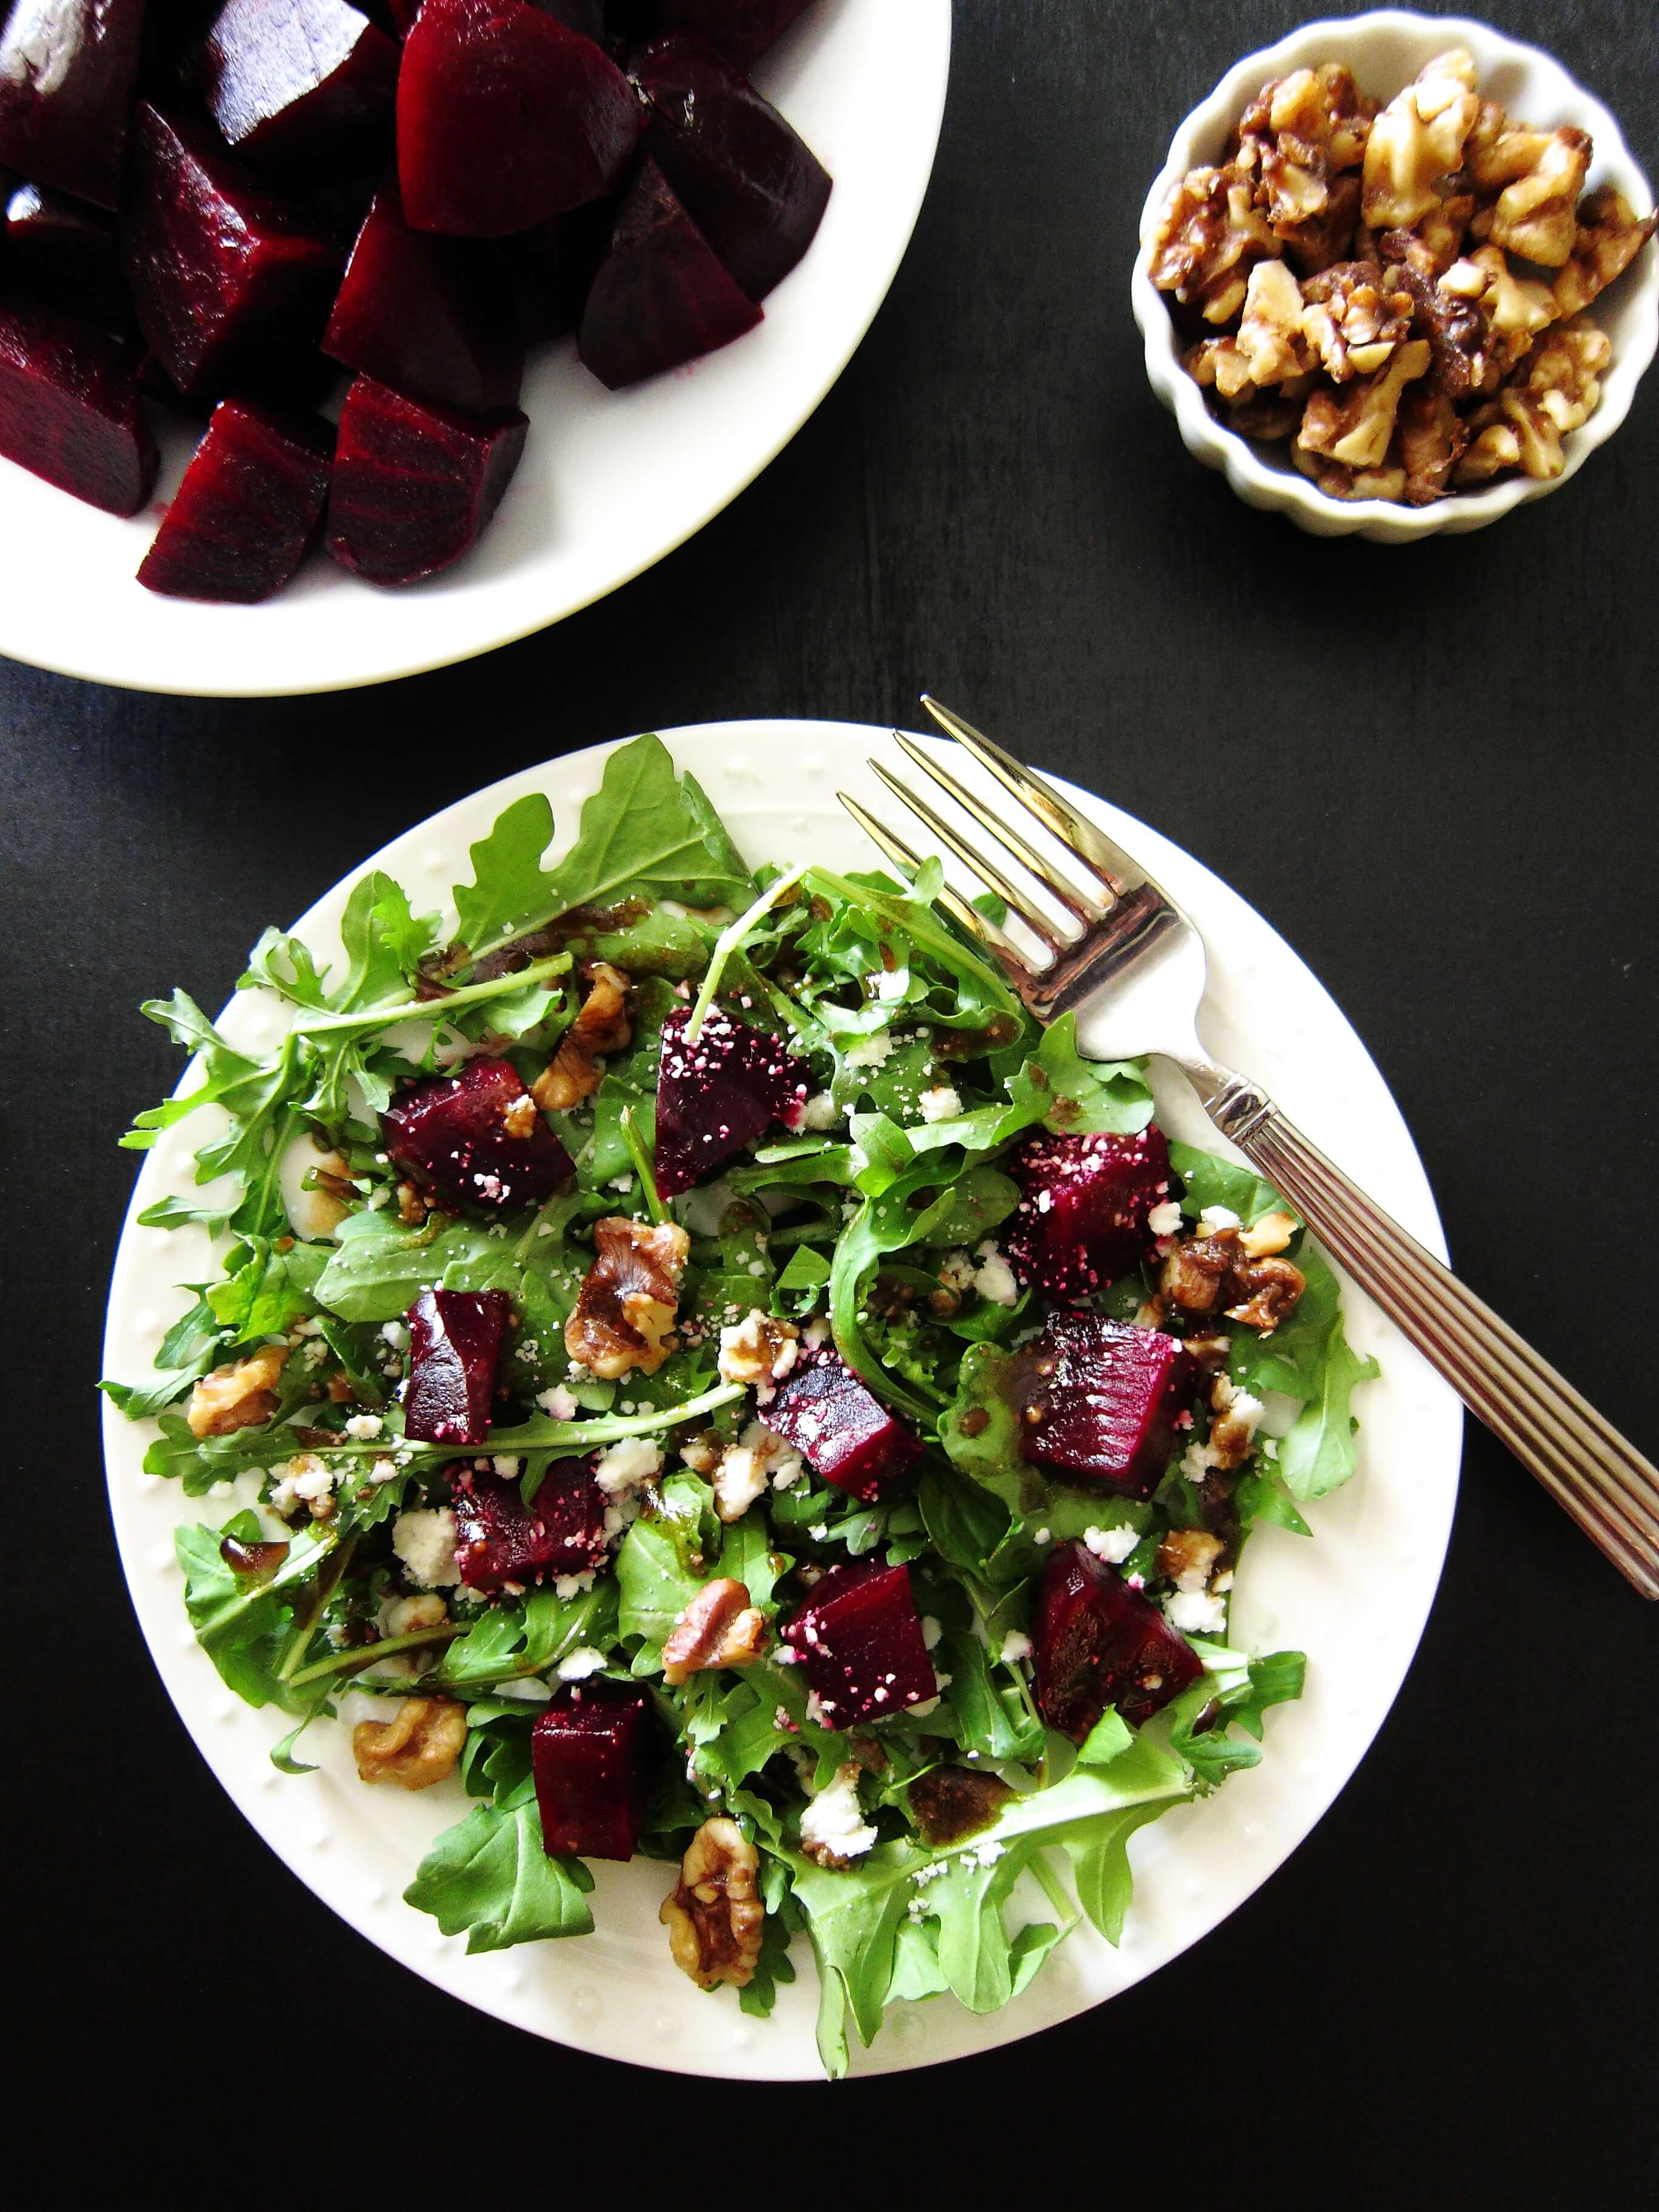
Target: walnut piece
1432 436
602 1026
1358 429
1189 1557
714 1916
239 1395
1418 139
1196 1269
1269 340
758 1350
629 1298
1354 319
1541 174
1269 1235
417 1747
1271 1290
1209 237
718 1628
1607 240
950 1802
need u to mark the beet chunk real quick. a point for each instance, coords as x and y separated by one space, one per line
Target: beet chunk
859 1640
302 88
754 188
505 117
249 506
840 1428
67 73
69 409
742 29
415 484
58 249
715 1095
1081 1220
1107 1400
502 1539
590 1751
661 295
454 1347
430 315
223 276
476 1139
549 269
1100 1643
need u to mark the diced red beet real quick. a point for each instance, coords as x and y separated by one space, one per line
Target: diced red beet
1082 1218
248 507
590 1752
67 73
1107 1399
662 295
69 409
415 484
1099 1643
505 118
57 248
454 1349
838 1427
742 29
223 274
501 1539
301 88
549 269
432 316
715 1095
753 187
476 1139
859 1640
294 384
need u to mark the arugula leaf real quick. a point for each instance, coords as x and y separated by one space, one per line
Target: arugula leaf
1212 1181
1318 1456
655 1574
1309 1357
489 1876
242 1627
513 1641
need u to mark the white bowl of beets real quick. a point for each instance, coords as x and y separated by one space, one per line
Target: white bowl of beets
225 207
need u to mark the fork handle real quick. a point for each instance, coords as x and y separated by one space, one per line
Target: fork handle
1593 1473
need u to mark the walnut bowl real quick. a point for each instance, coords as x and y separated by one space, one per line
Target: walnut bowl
1385 50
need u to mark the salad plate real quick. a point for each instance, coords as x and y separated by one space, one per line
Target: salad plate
1354 1598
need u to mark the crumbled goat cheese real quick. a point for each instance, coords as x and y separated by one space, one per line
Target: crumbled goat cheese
834 1822
942 1104
871 1051
1166 1220
1015 1647
1111 1544
820 1112
993 1279
633 1460
758 1350
424 1540
1194 1614
956 1271
558 1403
576 1666
364 1427
568 1586
1215 1218
382 1470
507 1466
931 1630
303 1480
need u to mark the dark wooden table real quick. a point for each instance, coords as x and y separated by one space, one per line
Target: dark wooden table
1433 767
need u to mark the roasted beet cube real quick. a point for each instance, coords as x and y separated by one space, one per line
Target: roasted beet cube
754 188
858 1638
742 29
67 72
454 1347
838 1427
58 249
590 1752
476 1139
662 295
1099 1643
714 1096
415 484
248 507
1107 1401
302 88
223 276
549 269
69 409
501 1539
432 316
1082 1218
505 117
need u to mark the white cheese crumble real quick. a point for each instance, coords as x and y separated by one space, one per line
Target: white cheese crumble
1015 1647
1194 1614
993 1279
834 1821
871 1051
382 1470
576 1666
820 1112
931 1630
303 1480
558 1403
1215 1218
942 1104
1166 1220
364 1427
1112 1544
424 1540
626 1465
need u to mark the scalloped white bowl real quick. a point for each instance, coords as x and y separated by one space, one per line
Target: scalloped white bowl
1385 50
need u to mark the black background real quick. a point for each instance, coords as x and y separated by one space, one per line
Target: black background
1433 767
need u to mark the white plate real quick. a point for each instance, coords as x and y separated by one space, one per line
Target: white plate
1355 1599
609 481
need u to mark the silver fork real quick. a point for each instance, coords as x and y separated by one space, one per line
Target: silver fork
1133 975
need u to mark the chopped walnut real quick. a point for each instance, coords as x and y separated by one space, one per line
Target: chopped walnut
1541 174
1418 139
1269 340
1607 240
629 1298
714 1916
1563 376
417 1747
412 1207
1493 448
1272 1288
1357 430
1232 1433
701 1453
1189 1557
718 1628
1196 1269
1209 237
240 1394
1430 247
1336 482
1271 416
1217 365
758 1350
950 1802
1354 319
1269 1235
575 1071
1432 436
1212 1353
1303 138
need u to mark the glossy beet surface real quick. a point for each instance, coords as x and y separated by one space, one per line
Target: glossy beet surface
415 482
432 316
1081 1220
223 274
69 409
840 1428
455 1348
590 1752
302 88
715 1095
500 1538
1099 1643
1107 1402
56 248
662 295
474 1139
859 1641
742 29
505 117
549 270
753 187
67 73
249 506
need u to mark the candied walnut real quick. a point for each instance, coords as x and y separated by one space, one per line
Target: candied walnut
1336 482
1316 242
1271 416
1208 238
1354 319
239 1395
701 1454
1196 1270
1232 1433
1563 375
1358 429
1432 437
574 1073
715 1915
1217 365
1269 1235
718 1628
629 1298
1430 248
415 1748
1189 1557
950 1802
1460 360
1271 1290
1269 341
1493 448
758 1350
1541 174
1212 1353
412 1206
1608 237
1513 309
1418 139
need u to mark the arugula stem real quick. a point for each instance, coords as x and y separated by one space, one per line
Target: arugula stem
731 940
367 1655
1049 1883
642 1167
305 1623
437 1010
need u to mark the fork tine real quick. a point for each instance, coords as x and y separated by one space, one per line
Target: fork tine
1076 902
908 863
1010 893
